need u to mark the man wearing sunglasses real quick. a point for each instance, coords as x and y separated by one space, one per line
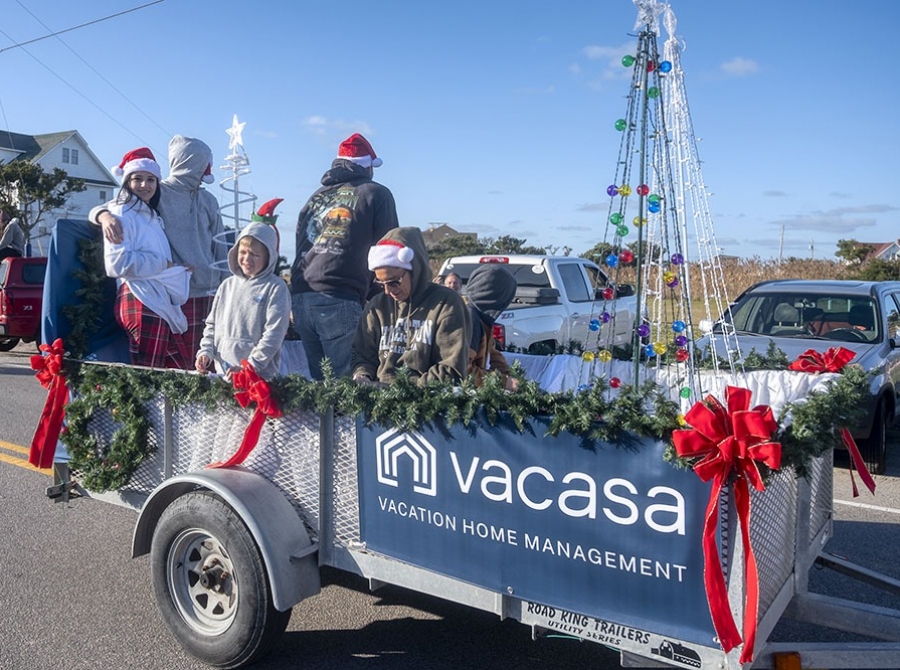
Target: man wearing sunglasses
413 322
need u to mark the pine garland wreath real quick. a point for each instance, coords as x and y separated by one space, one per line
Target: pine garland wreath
85 313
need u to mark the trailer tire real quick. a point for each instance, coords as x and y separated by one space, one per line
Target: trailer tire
210 583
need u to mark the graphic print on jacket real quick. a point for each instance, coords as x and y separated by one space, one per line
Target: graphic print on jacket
405 336
330 215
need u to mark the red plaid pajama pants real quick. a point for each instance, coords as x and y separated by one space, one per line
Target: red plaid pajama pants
150 340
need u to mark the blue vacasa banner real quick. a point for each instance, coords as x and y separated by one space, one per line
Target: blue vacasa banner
609 531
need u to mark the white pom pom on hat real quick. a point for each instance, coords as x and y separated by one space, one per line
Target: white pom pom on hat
207 177
390 254
137 160
356 148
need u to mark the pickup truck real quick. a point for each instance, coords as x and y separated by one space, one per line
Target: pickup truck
556 300
21 294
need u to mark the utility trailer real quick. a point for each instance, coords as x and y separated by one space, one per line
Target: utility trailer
595 541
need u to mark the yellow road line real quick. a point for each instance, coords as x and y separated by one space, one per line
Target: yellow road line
21 462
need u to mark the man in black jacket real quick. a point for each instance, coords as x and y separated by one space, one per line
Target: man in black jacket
330 278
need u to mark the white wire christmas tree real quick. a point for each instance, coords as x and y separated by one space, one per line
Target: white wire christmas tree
658 202
237 165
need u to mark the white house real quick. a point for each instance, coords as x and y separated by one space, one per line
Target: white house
68 151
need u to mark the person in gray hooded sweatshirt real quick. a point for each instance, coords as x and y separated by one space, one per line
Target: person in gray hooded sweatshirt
489 291
251 311
192 223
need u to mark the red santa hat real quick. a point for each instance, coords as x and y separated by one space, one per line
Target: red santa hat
356 148
207 177
390 254
137 160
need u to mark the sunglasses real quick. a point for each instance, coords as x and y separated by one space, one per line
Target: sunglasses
390 283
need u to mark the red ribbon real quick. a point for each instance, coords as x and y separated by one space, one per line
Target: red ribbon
52 377
729 442
831 361
250 387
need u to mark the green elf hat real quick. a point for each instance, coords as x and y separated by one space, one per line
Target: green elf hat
266 212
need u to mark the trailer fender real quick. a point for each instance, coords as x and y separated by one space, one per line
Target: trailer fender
287 551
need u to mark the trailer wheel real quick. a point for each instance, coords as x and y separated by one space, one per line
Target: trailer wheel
210 583
8 343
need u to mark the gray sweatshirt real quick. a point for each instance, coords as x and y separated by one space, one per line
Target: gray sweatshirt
249 316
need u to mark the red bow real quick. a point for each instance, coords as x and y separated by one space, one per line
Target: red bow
730 442
831 361
52 377
250 387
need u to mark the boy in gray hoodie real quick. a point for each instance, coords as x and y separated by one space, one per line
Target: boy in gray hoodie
251 311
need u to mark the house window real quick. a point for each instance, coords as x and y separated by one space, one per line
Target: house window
70 156
103 196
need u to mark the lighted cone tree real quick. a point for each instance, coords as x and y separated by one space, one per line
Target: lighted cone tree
658 226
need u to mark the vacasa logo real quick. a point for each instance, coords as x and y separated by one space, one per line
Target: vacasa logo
393 447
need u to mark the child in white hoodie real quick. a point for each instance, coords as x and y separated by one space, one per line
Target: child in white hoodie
251 311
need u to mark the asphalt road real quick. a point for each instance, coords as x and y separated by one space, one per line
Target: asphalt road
71 596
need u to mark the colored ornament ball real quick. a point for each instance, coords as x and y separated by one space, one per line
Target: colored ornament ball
681 420
681 341
612 190
628 60
659 348
616 218
665 66
653 197
604 356
614 382
625 190
605 317
678 326
622 231
673 283
685 392
649 351
650 66
668 277
677 259
612 260
594 325
621 124
643 330
653 92
682 355
626 256
584 388
587 356
653 207
639 221
643 189
608 293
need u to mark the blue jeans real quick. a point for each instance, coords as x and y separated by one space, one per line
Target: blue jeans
326 327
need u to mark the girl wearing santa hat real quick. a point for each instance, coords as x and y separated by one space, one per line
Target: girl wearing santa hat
151 289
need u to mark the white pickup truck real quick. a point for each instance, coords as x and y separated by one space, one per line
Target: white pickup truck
556 300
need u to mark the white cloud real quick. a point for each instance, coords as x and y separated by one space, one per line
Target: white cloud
739 67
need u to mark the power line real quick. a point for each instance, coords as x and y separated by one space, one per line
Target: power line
16 45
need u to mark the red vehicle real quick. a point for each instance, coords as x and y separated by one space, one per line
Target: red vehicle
21 294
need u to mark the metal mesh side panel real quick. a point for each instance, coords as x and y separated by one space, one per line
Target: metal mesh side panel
821 484
346 492
773 525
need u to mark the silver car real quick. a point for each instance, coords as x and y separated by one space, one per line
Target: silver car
798 315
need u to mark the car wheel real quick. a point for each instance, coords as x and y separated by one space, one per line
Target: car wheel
873 448
8 343
210 583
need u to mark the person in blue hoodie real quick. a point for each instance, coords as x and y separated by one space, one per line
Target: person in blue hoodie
251 310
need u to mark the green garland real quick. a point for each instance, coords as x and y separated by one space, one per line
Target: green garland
642 411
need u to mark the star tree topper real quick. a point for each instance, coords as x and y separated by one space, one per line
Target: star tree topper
648 14
235 133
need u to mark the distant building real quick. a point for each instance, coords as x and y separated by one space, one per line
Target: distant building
886 251
438 232
68 151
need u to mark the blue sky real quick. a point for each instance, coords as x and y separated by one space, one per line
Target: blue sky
494 117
